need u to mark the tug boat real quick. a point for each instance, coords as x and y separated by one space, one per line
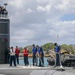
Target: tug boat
67 60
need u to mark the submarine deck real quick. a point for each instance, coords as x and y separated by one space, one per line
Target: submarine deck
5 69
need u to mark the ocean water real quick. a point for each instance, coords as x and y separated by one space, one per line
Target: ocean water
21 62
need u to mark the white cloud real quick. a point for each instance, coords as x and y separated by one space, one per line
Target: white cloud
29 10
25 34
46 8
39 21
22 36
40 1
65 30
40 8
66 6
16 4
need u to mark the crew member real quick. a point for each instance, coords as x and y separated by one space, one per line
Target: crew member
57 51
12 56
34 54
41 57
17 51
25 54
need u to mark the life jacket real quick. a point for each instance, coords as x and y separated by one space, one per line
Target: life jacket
25 52
34 50
17 51
57 49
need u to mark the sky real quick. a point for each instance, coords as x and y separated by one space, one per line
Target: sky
41 21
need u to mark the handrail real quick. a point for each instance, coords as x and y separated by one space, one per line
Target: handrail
3 16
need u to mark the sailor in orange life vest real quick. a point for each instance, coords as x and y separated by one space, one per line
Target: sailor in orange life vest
25 54
17 51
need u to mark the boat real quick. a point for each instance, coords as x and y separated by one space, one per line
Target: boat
67 60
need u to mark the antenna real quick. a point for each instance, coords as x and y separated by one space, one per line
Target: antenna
5 4
57 38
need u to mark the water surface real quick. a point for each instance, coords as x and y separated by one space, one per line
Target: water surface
21 62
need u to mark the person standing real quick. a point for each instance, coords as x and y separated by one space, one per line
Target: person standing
37 49
57 51
34 54
25 54
7 55
41 57
12 56
17 51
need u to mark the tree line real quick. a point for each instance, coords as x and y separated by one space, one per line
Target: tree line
49 46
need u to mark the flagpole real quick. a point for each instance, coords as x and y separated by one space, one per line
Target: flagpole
57 38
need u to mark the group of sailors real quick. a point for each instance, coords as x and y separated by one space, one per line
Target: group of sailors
37 52
13 55
3 12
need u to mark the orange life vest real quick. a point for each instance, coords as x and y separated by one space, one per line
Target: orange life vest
25 52
17 51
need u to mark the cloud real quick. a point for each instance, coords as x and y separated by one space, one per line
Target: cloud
66 6
64 29
16 4
29 10
44 9
40 21
22 36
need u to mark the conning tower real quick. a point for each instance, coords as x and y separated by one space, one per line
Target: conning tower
4 35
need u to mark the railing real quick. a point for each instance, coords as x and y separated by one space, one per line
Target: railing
3 15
